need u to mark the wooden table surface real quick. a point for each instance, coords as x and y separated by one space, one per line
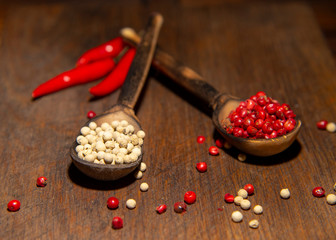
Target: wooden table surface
240 48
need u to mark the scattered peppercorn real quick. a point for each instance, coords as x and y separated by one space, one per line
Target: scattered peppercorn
41 182
161 209
258 209
180 207
14 205
249 188
284 193
331 127
201 167
243 193
318 192
229 198
144 187
117 223
322 124
219 142
200 139
112 203
130 203
213 151
254 223
190 197
237 216
237 200
242 157
143 166
331 199
245 204
91 114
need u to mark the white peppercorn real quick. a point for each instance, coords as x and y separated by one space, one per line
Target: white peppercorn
141 134
258 209
129 147
120 129
140 141
80 155
138 175
92 125
107 135
243 193
245 204
89 158
109 144
130 203
79 148
331 127
144 187
119 160
100 155
127 159
136 151
96 161
241 157
93 132
82 140
331 199
105 126
98 129
115 124
85 130
100 146
237 216
143 166
124 123
237 200
284 193
254 223
133 156
108 158
130 129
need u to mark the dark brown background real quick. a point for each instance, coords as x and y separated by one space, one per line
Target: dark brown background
284 48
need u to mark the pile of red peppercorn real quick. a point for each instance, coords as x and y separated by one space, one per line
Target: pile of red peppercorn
261 117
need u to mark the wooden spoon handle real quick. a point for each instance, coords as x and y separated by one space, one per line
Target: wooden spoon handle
182 75
138 71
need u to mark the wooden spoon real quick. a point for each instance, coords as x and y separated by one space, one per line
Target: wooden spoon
123 110
221 103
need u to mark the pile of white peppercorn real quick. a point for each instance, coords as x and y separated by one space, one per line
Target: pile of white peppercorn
115 143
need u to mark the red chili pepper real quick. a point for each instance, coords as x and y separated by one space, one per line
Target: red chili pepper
117 77
111 48
75 76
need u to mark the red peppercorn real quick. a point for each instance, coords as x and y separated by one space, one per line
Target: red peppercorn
249 188
229 198
219 142
112 203
201 167
267 128
180 207
271 108
14 205
250 104
190 197
322 124
41 182
200 139
238 132
91 114
260 94
213 151
252 131
117 223
161 209
318 192
289 124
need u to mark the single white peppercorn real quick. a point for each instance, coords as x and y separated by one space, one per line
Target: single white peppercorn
129 147
109 144
79 148
237 200
85 130
241 157
130 203
138 175
144 187
100 155
80 155
245 204
107 136
82 140
89 158
133 157
98 129
124 123
140 141
331 199
115 124
284 193
123 151
93 132
143 167
108 158
105 126
136 151
120 129
92 125
237 216
141 134
130 129
258 209
243 193
331 127
254 223
100 146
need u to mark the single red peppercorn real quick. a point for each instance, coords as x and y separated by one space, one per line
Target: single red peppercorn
112 203
201 167
41 182
229 198
289 124
190 197
249 189
213 151
200 139
219 142
318 192
322 124
260 94
117 223
91 114
14 205
161 209
180 207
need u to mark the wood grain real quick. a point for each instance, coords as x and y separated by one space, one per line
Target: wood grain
240 48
